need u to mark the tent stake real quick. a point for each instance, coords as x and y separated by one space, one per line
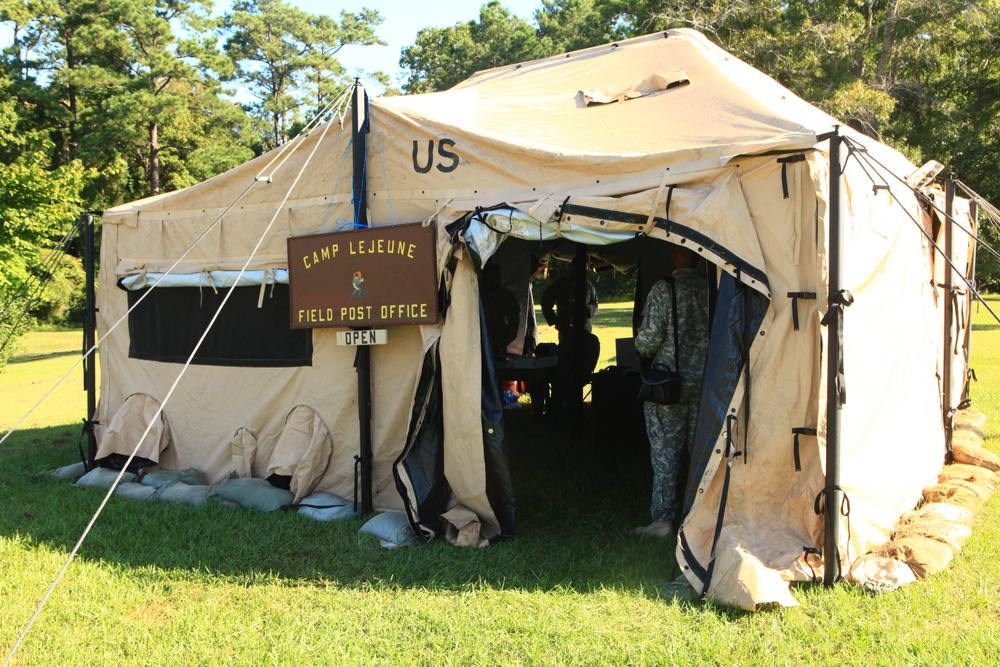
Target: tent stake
834 403
359 130
89 325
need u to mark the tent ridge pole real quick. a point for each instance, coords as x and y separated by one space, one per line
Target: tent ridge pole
834 404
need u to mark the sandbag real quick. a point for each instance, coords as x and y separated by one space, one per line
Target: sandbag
74 471
462 528
968 427
925 556
877 573
955 495
159 478
966 437
135 491
323 506
970 416
912 524
946 512
244 451
184 494
964 452
969 473
253 493
102 478
391 528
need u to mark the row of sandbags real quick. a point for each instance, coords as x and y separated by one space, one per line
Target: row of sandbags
926 539
189 487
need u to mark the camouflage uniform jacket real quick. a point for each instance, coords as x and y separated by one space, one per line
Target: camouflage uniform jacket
655 337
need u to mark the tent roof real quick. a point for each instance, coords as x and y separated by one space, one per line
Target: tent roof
678 92
684 106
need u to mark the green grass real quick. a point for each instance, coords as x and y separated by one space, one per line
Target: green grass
157 584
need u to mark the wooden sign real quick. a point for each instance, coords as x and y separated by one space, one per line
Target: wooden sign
364 277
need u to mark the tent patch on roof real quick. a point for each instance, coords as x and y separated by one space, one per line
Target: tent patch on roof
657 83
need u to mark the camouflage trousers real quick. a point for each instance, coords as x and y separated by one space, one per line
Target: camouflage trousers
671 430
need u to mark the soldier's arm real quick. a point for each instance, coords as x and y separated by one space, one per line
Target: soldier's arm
650 335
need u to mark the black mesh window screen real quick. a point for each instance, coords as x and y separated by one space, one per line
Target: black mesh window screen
168 323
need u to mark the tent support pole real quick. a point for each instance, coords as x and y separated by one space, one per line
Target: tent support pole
949 292
834 403
576 346
89 325
359 129
971 278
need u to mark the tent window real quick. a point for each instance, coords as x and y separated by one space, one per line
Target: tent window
657 83
168 323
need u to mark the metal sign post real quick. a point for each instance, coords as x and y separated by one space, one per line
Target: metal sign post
363 360
359 278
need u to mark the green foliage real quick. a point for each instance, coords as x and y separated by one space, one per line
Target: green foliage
37 207
442 57
286 58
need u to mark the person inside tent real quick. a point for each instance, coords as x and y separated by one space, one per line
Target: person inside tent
559 301
682 307
578 349
501 310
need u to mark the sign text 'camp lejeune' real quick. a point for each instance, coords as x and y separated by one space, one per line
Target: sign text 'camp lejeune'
363 277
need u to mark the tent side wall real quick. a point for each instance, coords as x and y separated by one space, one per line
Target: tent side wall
893 433
893 439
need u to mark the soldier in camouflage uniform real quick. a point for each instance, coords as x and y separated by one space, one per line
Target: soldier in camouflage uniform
671 427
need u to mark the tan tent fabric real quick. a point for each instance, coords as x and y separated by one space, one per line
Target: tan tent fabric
748 178
244 447
303 451
129 424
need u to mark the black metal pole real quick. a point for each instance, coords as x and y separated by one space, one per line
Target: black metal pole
89 326
949 289
834 406
359 127
971 277
578 335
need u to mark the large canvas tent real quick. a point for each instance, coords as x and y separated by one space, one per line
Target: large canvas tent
658 140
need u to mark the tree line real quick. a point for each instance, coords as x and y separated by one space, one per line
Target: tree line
107 101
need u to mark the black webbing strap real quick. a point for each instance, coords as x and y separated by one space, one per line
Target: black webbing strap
783 161
795 296
806 551
819 506
747 344
839 302
731 454
670 196
693 563
956 307
88 427
797 431
357 478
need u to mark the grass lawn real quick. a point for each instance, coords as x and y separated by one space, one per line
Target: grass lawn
161 584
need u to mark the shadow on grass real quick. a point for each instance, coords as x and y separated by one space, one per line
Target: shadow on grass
577 507
26 358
